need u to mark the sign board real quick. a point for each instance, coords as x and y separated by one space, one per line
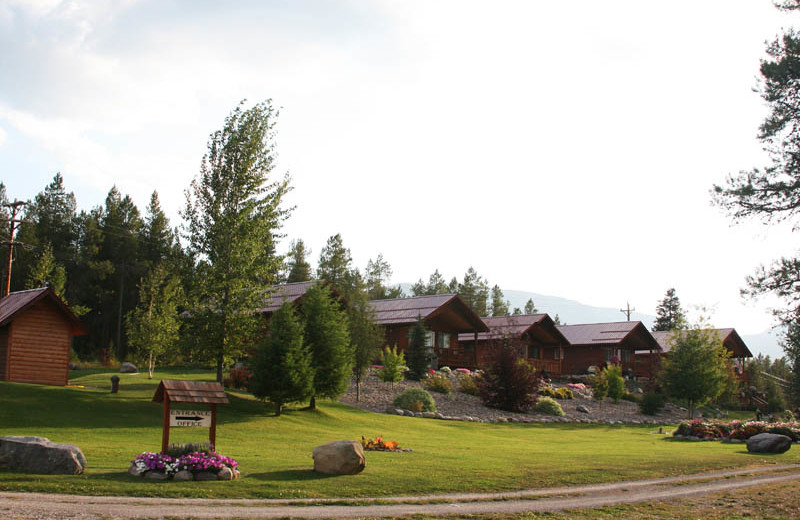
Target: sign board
200 418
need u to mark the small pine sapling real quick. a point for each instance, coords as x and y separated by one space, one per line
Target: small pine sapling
615 382
393 366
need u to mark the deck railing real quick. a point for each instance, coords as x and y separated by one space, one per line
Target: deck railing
551 366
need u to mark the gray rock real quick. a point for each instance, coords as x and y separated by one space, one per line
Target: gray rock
183 475
439 416
225 473
339 458
39 455
399 411
156 475
583 409
128 368
408 413
205 476
428 415
418 415
134 470
236 474
769 443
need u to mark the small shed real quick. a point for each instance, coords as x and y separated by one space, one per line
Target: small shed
36 330
202 392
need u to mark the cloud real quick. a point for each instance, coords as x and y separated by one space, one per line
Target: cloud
3 135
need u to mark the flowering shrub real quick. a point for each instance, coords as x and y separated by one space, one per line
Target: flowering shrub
438 383
737 429
577 386
463 371
194 462
379 444
564 393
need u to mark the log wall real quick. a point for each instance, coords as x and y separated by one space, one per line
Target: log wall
3 352
39 342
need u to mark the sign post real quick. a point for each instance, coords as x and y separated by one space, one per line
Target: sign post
170 391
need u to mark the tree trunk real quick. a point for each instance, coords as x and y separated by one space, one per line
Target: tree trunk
312 405
150 366
278 407
358 389
220 358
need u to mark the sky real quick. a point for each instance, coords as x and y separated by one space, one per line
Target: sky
563 148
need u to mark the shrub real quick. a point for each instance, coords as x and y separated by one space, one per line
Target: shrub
510 383
627 396
616 383
468 384
438 383
416 400
392 369
237 378
651 403
547 391
599 386
564 393
549 406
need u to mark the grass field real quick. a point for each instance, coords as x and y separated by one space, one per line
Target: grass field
275 452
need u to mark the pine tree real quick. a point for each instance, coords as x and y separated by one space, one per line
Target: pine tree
392 370
157 238
419 288
530 308
377 275
328 339
282 371
365 336
418 356
335 265
233 215
499 305
517 312
669 314
46 272
299 268
474 290
153 326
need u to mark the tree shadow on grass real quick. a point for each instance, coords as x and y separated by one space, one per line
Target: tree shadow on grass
290 475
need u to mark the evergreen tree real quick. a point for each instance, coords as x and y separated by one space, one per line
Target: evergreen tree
392 366
499 304
436 284
233 214
517 312
419 288
791 346
474 290
282 371
366 337
696 369
299 268
557 320
157 238
377 275
328 339
452 287
153 325
669 314
335 265
530 308
418 355
46 272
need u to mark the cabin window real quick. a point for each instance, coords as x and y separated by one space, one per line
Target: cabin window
626 356
428 337
557 353
609 353
444 340
533 352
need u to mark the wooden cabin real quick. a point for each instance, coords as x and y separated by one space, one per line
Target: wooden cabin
597 344
292 292
535 336
733 343
445 317
36 330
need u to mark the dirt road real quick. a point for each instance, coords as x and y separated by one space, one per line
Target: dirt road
35 506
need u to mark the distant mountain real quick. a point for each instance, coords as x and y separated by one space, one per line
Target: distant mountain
573 312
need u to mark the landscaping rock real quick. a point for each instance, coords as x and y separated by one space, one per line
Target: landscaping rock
398 411
135 471
769 443
236 474
408 413
225 473
128 368
205 476
156 475
583 409
428 415
183 475
39 455
339 458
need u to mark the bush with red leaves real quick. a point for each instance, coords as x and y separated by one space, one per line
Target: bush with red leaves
510 383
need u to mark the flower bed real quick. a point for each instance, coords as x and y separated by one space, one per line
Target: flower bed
197 465
379 444
735 430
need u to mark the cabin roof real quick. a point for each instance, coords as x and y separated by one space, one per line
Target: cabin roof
190 392
729 337
516 327
17 302
400 311
610 334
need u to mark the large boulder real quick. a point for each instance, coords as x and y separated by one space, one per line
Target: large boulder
128 368
39 455
769 443
339 458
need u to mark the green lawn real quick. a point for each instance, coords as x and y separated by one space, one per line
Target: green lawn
275 452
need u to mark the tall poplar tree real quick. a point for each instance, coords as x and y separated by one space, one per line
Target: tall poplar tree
233 216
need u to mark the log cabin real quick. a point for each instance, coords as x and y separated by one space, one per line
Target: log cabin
292 292
535 337
445 317
598 343
36 330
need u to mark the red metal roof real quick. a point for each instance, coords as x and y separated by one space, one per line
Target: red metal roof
190 392
288 292
500 326
729 337
611 334
17 302
399 311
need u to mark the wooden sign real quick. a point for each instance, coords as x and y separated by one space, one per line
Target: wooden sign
199 418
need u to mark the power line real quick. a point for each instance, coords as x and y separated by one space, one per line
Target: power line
627 310
13 225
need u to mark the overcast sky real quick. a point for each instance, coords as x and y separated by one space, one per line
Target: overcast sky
564 148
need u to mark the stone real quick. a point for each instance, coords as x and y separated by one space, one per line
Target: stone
135 471
128 368
408 413
339 458
429 415
236 474
769 443
156 475
418 415
399 411
40 455
583 409
439 416
225 473
183 475
205 476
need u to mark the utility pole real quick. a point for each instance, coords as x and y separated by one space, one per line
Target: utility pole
13 225
627 310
